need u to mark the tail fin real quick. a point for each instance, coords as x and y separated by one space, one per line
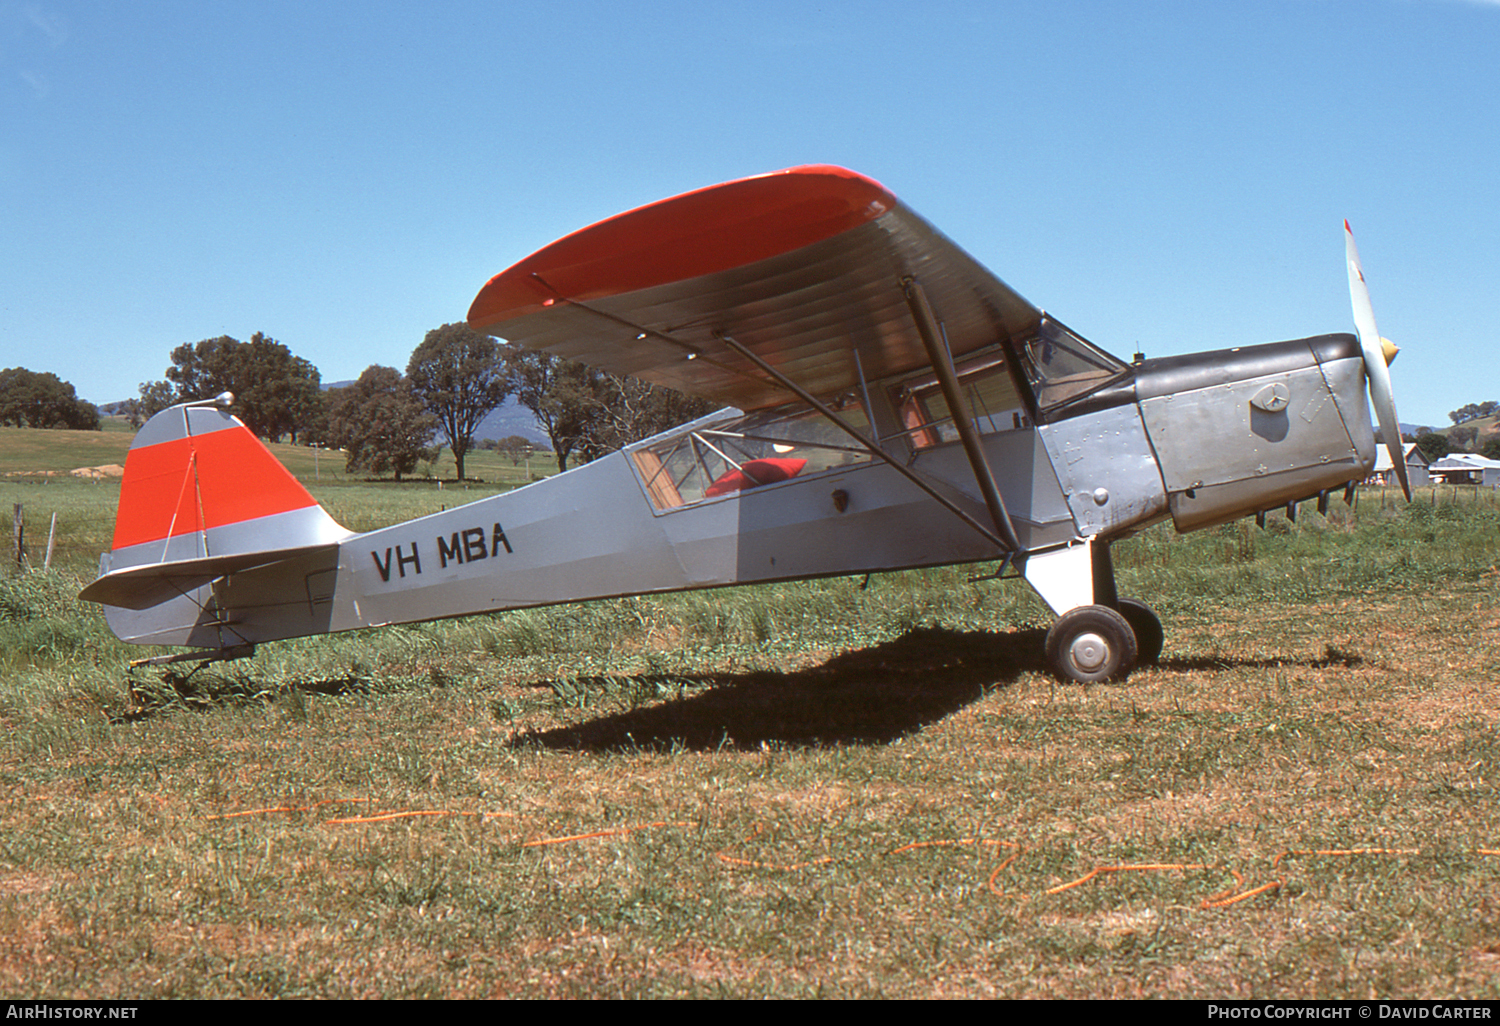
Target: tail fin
202 497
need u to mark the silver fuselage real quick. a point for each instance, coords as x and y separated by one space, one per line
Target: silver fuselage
1203 439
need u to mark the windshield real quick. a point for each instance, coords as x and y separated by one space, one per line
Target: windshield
1062 367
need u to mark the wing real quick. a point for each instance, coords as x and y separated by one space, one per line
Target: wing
804 267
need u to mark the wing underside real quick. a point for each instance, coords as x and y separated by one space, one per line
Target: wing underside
805 268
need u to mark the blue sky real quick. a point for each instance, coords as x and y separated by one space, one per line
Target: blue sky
1168 175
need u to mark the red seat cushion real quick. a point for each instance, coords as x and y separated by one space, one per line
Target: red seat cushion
753 473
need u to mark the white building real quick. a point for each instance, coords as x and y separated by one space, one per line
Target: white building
1416 466
1467 468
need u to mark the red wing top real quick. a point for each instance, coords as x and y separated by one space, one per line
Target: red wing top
804 267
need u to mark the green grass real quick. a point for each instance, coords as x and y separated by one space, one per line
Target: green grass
36 473
33 453
798 790
29 452
480 466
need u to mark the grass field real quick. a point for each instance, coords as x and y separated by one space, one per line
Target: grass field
822 789
27 455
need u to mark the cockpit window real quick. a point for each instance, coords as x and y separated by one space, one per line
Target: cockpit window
987 388
1062 367
709 460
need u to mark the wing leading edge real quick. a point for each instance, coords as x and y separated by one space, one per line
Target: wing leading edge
803 267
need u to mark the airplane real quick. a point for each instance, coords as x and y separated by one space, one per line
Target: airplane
889 404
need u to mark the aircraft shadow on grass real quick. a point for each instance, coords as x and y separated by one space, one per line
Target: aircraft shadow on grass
1332 656
871 695
868 696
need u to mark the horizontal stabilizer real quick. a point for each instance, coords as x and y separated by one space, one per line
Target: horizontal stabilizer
150 584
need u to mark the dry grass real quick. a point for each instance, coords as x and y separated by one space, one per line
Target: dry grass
753 833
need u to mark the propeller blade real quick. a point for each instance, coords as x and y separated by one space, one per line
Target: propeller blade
1375 366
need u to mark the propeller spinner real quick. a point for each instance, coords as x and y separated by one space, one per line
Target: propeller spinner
1376 369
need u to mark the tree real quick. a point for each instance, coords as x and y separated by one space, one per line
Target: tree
515 447
460 376
380 424
555 391
276 393
1474 411
590 413
627 410
30 399
1490 450
155 396
1434 446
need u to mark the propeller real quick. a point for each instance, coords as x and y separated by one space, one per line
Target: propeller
1377 359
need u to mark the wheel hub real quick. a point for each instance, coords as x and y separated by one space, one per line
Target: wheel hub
1089 651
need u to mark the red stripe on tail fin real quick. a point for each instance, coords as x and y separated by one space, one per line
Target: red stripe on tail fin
202 481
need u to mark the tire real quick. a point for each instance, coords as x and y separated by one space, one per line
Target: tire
1149 636
1091 643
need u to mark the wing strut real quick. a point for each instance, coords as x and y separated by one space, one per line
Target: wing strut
1007 541
859 436
942 365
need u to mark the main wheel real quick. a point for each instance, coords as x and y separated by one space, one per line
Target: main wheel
1091 643
1149 636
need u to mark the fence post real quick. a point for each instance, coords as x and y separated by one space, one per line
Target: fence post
51 534
18 527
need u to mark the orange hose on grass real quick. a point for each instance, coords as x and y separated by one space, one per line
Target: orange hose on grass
946 844
990 883
734 860
598 833
1226 898
1226 902
1239 881
1154 866
1347 851
288 808
384 817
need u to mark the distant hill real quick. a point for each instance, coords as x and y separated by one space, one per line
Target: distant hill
1486 427
510 419
513 419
